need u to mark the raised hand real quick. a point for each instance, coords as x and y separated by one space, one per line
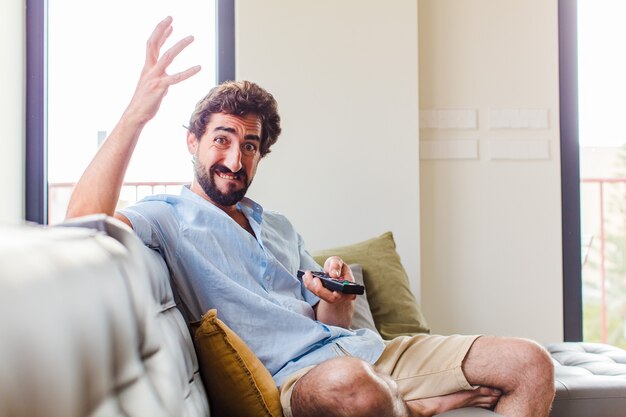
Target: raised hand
98 189
154 81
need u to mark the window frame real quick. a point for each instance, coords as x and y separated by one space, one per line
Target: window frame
35 167
570 172
35 164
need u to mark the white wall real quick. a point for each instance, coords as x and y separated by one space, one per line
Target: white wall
491 229
344 74
12 70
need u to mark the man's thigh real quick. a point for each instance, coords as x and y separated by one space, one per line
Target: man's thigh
425 365
287 388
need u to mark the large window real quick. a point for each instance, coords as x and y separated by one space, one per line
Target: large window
601 87
594 170
83 69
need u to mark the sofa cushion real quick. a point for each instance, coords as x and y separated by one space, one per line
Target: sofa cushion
362 318
392 303
237 382
590 379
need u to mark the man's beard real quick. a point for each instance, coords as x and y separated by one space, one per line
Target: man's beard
206 179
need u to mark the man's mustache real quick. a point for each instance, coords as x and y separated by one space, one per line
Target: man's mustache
240 175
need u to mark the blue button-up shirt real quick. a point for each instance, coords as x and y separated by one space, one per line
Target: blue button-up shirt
251 282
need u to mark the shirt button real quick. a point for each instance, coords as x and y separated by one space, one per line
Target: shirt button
267 277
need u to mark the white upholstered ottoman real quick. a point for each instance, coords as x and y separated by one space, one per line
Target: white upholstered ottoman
590 380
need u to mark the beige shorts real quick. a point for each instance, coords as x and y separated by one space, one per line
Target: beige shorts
423 366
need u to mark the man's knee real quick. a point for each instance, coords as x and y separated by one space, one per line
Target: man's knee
510 362
345 387
541 368
534 361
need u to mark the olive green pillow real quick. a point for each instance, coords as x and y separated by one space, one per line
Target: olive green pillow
393 305
237 383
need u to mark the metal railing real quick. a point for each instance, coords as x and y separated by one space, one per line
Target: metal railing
605 210
59 195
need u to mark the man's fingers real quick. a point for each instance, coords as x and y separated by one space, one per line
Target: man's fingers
169 55
182 76
159 67
315 285
164 36
156 40
337 268
334 265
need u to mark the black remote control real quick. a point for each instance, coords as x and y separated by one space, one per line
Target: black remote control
334 284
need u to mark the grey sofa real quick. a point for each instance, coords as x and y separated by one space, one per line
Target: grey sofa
89 327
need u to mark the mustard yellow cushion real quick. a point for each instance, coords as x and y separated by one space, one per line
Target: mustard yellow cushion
237 383
393 305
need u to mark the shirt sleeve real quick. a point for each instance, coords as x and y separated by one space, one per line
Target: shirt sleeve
307 263
153 223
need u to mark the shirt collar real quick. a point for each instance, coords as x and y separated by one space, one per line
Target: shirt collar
247 206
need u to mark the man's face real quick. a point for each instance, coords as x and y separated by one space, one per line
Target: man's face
226 157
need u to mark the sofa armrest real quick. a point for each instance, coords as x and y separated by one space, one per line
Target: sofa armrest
80 332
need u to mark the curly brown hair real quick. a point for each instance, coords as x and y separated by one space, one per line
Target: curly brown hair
239 98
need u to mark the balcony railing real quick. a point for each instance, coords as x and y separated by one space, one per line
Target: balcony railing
603 213
59 195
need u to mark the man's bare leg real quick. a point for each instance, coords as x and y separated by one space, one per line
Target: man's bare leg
349 386
515 375
521 369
